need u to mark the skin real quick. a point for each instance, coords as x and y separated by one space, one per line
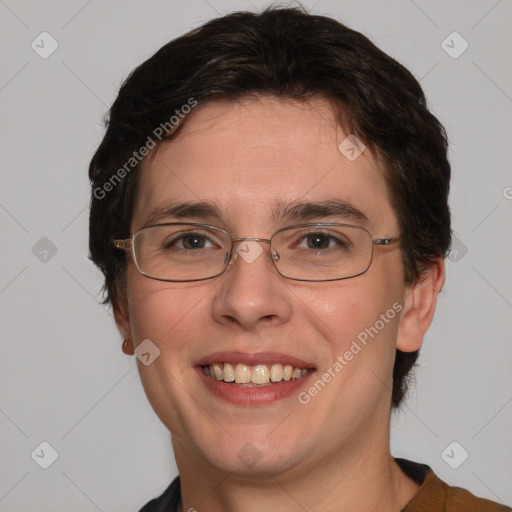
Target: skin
247 155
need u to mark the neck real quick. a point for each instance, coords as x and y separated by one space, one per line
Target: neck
362 476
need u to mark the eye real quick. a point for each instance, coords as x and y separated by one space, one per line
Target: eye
189 241
321 241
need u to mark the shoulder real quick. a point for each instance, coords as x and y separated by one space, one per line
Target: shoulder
461 500
167 501
435 495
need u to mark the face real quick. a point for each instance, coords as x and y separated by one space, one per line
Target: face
251 159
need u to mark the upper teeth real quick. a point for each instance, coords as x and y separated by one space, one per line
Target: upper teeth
257 374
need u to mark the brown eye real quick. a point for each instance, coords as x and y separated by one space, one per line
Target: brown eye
321 241
318 241
189 241
193 242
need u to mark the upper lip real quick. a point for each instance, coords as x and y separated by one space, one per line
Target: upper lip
253 358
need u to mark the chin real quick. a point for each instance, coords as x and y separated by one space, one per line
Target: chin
252 452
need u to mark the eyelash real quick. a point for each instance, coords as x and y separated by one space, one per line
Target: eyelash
304 237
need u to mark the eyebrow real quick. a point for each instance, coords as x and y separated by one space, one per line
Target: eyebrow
282 211
311 210
200 210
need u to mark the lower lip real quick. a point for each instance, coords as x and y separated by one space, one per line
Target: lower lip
255 395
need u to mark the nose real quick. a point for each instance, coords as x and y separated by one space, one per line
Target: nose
251 294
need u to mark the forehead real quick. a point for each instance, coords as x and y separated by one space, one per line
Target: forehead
253 155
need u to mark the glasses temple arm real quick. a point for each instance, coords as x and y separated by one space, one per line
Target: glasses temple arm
123 244
385 241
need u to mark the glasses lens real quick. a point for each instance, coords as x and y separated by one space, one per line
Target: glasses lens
181 252
322 253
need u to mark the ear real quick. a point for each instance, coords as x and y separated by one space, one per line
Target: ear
122 319
419 307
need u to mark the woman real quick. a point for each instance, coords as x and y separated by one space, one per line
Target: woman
269 208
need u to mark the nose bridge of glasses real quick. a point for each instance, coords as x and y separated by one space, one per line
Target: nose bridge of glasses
230 258
250 239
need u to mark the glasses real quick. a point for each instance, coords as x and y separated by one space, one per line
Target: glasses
183 252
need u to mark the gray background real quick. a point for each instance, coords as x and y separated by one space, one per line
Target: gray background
63 377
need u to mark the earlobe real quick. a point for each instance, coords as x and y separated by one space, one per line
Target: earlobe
127 347
419 307
122 319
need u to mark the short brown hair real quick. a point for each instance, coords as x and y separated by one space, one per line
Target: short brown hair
284 52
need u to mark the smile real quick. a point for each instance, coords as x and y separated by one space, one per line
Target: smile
253 375
250 379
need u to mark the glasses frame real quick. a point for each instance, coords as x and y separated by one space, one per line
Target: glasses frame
128 244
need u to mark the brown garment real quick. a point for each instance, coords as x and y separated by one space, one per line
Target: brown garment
434 495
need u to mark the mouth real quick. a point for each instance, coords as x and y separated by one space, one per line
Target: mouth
249 379
258 375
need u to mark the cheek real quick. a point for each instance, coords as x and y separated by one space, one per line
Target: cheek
170 315
362 327
360 310
166 312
